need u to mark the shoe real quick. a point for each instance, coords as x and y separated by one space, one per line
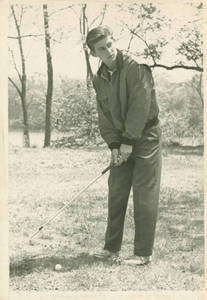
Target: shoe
104 254
136 260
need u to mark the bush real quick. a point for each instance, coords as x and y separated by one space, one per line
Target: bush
74 107
181 112
74 111
15 124
35 105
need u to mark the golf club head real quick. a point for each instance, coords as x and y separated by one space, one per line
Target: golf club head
30 240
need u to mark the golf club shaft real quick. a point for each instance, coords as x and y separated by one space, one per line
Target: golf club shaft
66 205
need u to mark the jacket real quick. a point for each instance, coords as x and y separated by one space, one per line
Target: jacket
126 102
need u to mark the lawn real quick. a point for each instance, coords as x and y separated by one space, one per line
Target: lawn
43 180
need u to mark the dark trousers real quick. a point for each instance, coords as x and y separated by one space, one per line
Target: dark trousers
143 175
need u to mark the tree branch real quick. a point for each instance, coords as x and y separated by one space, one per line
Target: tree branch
21 15
16 87
20 44
72 8
129 45
61 9
195 68
176 67
103 14
131 38
94 20
143 40
80 22
14 15
23 36
15 66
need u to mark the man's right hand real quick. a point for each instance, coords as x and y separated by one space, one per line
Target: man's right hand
116 158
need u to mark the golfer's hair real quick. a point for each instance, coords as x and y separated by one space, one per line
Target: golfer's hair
96 34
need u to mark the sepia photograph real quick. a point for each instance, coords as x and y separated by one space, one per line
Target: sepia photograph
106 146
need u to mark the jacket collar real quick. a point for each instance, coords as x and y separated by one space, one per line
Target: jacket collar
103 70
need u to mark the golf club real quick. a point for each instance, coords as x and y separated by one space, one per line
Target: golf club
66 205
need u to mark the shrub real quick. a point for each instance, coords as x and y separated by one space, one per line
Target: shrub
74 107
74 111
181 112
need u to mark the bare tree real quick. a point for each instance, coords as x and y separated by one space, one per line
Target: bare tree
50 78
22 77
84 28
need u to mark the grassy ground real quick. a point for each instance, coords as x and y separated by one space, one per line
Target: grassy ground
42 180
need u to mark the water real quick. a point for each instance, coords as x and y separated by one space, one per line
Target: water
15 138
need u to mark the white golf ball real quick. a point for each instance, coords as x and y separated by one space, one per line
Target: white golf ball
58 267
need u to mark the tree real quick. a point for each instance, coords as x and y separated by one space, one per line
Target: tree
22 77
84 29
50 78
196 85
148 23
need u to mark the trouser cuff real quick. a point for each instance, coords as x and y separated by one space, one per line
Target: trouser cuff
143 252
111 249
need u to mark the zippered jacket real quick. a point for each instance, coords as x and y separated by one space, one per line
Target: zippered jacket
126 103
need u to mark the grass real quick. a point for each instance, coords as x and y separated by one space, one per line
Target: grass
43 180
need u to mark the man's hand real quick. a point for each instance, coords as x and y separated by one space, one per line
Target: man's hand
119 156
125 151
116 159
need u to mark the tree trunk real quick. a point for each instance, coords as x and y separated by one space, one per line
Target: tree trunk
89 74
23 79
50 79
84 31
26 139
199 89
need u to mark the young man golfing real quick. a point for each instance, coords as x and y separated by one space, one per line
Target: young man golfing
129 124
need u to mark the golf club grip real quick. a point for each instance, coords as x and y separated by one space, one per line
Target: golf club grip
107 169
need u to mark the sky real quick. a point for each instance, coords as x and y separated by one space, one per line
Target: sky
68 56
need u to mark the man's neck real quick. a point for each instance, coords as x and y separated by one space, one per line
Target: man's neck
112 67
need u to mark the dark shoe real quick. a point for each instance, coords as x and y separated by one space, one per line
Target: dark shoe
104 254
136 260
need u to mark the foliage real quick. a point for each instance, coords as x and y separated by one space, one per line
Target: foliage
191 46
181 111
22 75
145 26
155 35
152 35
35 105
74 111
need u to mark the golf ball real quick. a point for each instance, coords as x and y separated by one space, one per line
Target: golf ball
58 267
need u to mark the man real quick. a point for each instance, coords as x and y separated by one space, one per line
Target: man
128 122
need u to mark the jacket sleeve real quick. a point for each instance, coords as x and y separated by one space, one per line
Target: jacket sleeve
107 130
139 86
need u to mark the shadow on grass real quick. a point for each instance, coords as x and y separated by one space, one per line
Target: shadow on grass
184 150
37 264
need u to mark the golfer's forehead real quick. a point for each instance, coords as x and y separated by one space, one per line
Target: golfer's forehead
103 43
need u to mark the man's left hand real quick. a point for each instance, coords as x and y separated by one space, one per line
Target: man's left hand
125 151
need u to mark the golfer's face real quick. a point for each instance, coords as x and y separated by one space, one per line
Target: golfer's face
105 49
